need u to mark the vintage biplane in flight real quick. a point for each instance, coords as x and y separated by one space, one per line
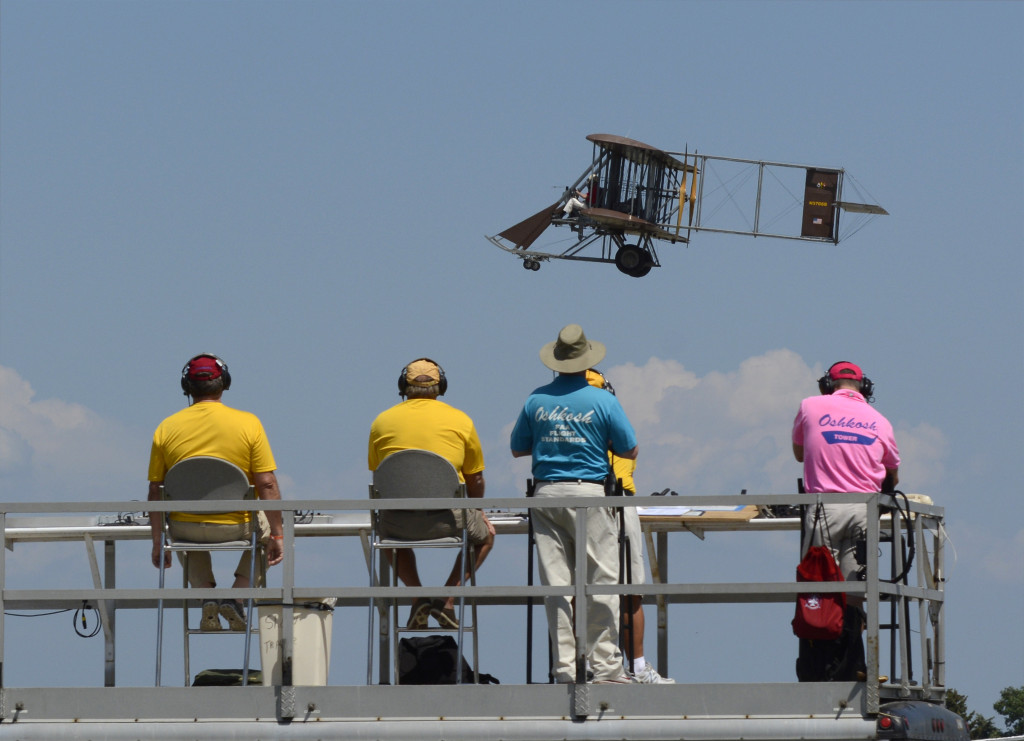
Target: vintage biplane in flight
633 194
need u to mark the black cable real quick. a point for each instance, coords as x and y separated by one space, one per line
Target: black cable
81 612
77 616
35 614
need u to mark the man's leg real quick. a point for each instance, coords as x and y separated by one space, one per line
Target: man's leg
407 526
481 541
847 525
603 610
634 628
553 531
403 560
199 563
233 610
633 605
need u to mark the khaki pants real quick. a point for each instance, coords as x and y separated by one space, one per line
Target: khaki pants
554 531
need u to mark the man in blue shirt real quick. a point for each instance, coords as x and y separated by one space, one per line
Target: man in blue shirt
568 427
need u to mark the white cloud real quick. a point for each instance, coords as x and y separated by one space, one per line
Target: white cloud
923 450
978 555
730 430
646 386
57 450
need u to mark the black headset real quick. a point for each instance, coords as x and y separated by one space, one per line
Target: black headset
826 384
403 382
225 375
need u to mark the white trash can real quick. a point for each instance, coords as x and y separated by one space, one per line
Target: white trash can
311 634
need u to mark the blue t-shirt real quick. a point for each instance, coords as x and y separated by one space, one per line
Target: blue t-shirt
569 426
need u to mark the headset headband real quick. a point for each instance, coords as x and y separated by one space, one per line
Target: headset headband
827 384
186 381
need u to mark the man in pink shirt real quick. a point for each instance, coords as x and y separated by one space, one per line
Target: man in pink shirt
845 446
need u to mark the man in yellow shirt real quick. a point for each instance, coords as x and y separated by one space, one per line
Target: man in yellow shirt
632 605
422 422
209 428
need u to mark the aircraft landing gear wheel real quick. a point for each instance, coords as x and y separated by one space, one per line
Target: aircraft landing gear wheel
633 261
536 266
645 266
531 265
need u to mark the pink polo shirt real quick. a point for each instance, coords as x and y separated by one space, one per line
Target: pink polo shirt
847 444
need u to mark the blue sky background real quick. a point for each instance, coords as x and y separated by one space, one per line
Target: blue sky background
304 188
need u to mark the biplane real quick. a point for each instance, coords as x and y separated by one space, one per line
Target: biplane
633 195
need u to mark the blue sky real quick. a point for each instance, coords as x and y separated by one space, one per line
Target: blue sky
304 188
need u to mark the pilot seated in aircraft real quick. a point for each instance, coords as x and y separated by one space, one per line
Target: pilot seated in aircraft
574 204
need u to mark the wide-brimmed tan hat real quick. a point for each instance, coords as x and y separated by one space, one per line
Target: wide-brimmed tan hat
572 352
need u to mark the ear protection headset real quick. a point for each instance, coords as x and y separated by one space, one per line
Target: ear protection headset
403 383
225 375
598 380
827 384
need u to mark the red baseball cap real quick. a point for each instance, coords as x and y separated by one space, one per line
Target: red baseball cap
204 368
845 370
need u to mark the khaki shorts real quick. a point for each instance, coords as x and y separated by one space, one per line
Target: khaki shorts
426 524
200 566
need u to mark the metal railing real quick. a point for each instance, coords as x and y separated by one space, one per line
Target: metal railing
917 649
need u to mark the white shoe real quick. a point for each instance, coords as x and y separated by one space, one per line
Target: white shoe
650 676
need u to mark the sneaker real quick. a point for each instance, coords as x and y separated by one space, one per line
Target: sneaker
211 616
621 679
233 613
445 616
419 615
650 676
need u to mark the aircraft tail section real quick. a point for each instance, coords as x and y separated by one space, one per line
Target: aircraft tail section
525 233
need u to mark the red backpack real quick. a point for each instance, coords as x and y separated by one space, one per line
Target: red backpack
819 616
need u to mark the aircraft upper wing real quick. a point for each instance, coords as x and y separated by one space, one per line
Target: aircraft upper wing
635 151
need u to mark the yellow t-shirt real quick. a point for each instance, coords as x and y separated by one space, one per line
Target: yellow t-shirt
624 468
210 428
427 424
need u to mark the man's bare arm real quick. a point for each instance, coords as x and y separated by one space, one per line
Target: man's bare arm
267 489
156 524
475 484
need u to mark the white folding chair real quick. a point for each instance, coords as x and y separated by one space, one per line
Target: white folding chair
415 474
207 479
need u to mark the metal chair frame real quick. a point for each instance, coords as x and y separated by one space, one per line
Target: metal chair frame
205 478
415 474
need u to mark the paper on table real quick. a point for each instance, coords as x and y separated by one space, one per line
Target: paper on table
680 511
663 511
